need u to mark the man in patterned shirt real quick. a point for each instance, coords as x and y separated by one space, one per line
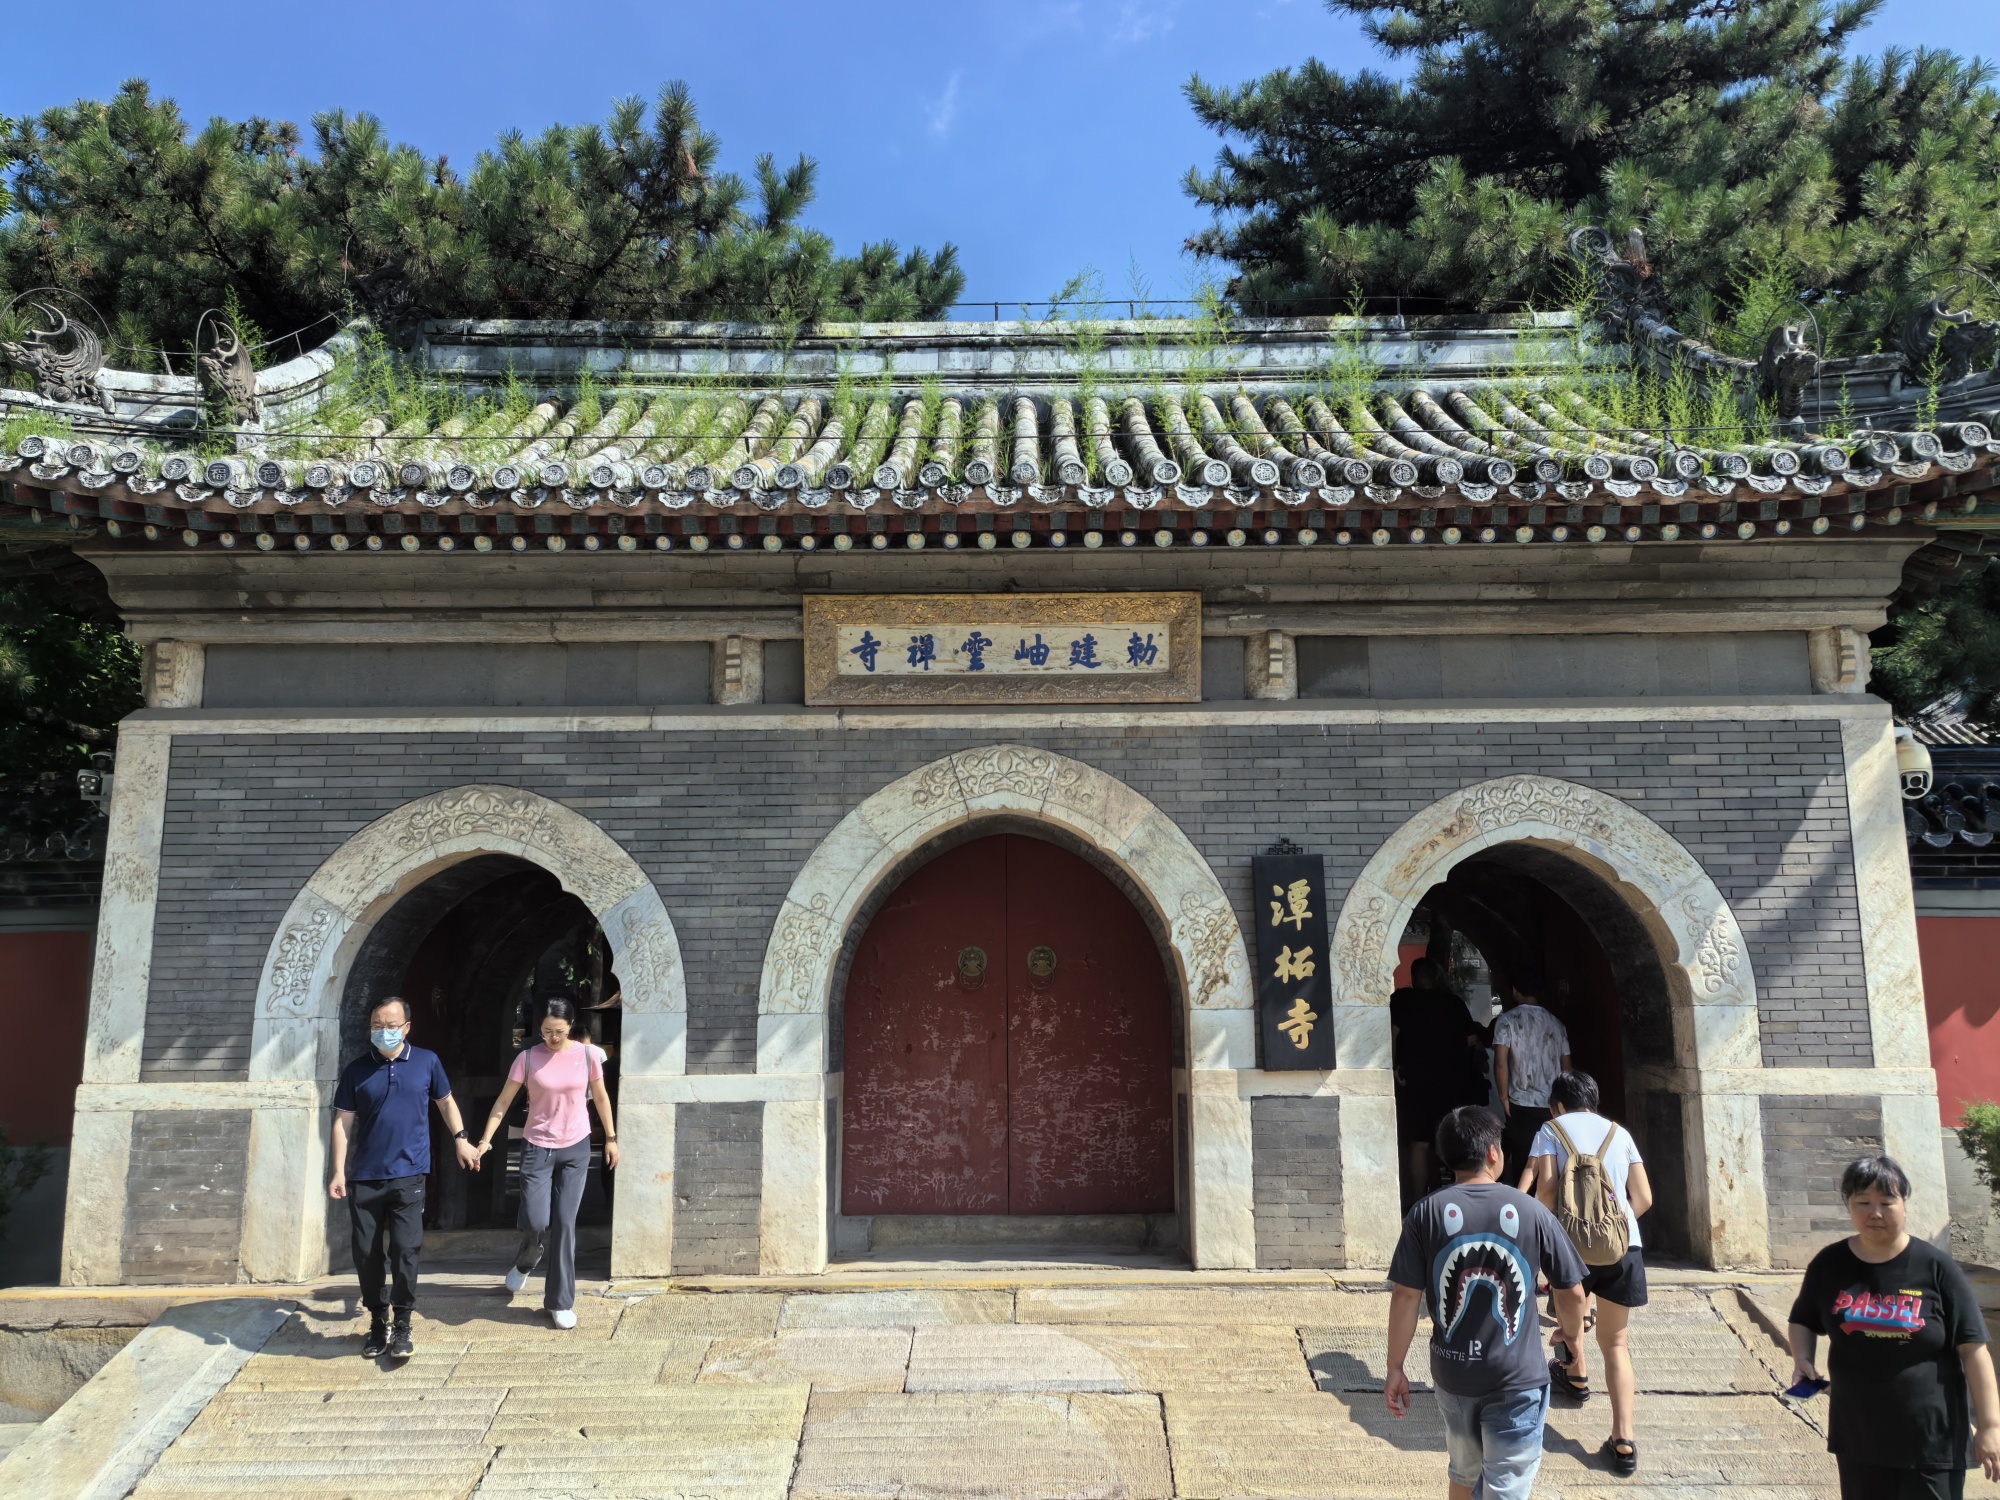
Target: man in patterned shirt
1530 1051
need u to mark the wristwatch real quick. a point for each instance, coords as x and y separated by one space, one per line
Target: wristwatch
458 1135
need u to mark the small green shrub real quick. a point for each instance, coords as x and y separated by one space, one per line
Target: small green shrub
1979 1135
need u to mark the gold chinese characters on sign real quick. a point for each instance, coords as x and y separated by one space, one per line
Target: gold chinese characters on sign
1294 994
1002 648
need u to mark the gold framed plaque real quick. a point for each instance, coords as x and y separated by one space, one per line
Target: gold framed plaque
891 649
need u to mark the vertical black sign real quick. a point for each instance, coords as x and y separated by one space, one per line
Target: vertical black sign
1294 974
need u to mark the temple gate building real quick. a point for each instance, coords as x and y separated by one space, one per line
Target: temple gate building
889 718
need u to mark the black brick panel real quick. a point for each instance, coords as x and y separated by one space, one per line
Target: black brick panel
723 820
184 1195
1808 1141
718 1188
1295 1183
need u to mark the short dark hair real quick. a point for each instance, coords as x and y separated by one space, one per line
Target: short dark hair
1424 973
1884 1174
387 1001
1467 1136
1529 986
1576 1090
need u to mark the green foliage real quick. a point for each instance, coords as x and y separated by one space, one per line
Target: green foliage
123 203
67 676
1734 133
21 1167
1943 645
1979 1136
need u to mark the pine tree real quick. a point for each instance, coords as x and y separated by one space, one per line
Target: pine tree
152 223
1733 133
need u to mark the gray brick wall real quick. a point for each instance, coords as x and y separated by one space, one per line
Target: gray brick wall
184 1195
723 820
718 1188
1808 1140
1295 1183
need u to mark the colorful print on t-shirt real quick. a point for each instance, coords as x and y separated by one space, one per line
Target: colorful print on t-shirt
1892 1315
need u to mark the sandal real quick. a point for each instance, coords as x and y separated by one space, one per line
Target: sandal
1623 1456
1577 1390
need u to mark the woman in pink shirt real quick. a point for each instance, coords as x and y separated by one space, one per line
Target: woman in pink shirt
559 1074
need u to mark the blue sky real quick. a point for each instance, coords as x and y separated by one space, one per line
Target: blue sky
1042 136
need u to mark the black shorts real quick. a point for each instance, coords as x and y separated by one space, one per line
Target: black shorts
1623 1282
1859 1481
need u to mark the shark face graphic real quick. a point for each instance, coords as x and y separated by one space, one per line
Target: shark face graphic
1471 1263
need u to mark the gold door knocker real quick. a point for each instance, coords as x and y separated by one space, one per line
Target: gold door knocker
971 968
1041 966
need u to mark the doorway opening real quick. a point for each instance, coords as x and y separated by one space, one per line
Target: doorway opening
1529 914
477 950
1008 1053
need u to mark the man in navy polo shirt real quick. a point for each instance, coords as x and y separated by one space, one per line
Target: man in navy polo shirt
380 1108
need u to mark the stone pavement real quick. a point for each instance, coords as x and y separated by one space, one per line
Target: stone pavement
952 1387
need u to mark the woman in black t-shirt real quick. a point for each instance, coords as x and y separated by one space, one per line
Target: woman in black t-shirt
1906 1348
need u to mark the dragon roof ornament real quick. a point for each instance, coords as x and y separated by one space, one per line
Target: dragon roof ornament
63 359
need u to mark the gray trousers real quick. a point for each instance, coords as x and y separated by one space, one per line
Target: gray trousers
552 1181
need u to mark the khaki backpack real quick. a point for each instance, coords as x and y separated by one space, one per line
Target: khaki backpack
1587 1207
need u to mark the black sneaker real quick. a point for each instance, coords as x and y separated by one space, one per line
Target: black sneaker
377 1342
401 1346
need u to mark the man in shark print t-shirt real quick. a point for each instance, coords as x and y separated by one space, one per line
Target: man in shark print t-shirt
1472 1252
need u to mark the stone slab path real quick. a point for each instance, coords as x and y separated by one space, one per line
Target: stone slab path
1176 1389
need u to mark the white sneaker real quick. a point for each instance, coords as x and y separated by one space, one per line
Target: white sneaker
563 1318
516 1279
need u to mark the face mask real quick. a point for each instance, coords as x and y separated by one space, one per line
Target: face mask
386 1038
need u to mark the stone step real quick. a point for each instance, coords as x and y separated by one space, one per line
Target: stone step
848 1359
746 1468
1189 1356
439 1474
1313 1446
1009 1357
702 1314
964 1445
1302 1306
895 1309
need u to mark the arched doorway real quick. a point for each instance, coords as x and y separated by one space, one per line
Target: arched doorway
1687 1014
1008 1044
1519 913
314 977
476 950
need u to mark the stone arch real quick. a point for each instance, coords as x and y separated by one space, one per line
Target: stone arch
1711 987
296 1029
1210 964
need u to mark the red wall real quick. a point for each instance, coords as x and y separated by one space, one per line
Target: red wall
1961 957
44 1000
1406 954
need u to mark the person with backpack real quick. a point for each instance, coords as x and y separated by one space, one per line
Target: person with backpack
1588 1170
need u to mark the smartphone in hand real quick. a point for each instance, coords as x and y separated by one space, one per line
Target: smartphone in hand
1805 1390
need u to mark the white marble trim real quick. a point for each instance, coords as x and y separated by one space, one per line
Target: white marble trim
1710 979
121 977
1252 714
1211 964
284 1093
295 1036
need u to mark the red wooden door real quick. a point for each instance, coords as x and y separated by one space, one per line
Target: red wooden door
1040 1085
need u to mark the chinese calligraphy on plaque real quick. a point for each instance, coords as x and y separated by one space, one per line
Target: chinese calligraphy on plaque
998 648
1294 991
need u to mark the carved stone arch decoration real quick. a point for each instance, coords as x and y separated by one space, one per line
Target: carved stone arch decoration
1211 967
295 1033
1710 984
1679 905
